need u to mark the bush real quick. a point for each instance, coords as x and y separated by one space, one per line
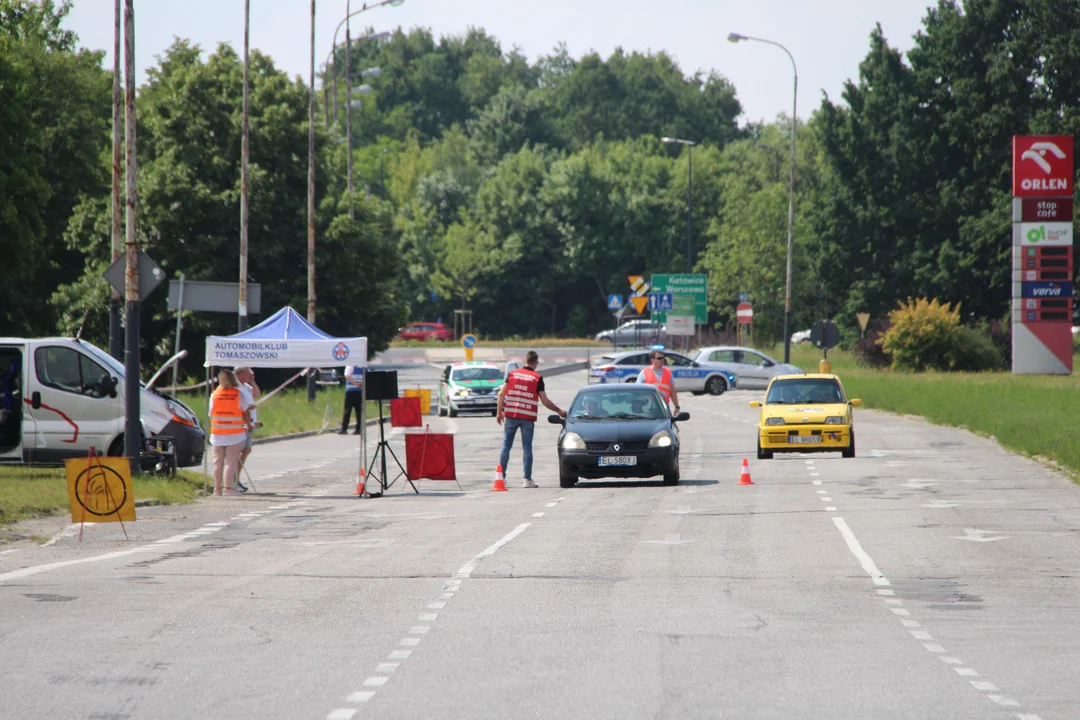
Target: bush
927 335
974 350
868 351
921 334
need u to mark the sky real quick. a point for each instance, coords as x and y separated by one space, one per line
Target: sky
827 38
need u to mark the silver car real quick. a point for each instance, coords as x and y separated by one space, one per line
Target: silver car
753 369
634 333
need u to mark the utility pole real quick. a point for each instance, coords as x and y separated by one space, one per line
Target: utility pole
690 210
311 199
245 150
116 337
348 105
132 420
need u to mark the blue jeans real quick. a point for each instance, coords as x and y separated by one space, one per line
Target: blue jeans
510 428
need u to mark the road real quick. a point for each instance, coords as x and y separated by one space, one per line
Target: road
934 576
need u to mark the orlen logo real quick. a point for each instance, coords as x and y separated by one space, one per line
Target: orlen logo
1042 165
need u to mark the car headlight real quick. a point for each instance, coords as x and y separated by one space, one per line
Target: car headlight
661 439
774 421
181 414
834 420
462 393
572 441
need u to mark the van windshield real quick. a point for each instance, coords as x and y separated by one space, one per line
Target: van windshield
106 358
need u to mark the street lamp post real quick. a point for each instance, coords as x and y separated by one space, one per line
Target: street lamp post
245 154
735 37
311 199
689 199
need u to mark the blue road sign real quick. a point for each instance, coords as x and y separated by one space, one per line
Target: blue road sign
661 302
742 297
468 341
614 302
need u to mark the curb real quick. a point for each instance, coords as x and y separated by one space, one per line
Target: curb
297 436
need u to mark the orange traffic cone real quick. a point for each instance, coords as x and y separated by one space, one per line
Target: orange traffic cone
744 479
500 481
360 485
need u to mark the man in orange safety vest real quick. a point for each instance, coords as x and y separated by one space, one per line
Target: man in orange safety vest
519 404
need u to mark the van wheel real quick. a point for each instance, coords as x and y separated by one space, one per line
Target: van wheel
117 447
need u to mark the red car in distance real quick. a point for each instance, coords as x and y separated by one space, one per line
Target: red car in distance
425 331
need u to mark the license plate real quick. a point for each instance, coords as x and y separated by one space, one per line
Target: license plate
618 460
809 439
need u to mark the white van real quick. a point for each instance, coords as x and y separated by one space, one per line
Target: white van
60 396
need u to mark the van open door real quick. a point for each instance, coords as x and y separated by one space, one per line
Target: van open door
17 431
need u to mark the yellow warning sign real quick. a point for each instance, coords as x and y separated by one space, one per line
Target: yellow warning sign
100 490
639 303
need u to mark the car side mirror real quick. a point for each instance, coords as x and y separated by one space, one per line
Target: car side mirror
556 420
857 402
35 400
682 417
755 403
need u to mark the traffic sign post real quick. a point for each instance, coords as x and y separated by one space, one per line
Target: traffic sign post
639 292
744 313
694 287
614 303
864 319
469 343
661 302
825 334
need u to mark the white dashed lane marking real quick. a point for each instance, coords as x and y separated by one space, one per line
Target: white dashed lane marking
889 595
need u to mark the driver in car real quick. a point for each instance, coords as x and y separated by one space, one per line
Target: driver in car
594 407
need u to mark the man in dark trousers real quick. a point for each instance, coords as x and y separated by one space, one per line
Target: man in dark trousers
354 398
519 403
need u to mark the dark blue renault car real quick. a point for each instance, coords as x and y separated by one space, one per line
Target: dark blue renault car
622 431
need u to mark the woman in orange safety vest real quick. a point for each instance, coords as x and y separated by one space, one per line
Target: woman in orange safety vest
229 424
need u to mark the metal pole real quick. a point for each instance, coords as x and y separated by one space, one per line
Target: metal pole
179 320
790 218
311 199
116 337
348 105
132 419
690 214
245 150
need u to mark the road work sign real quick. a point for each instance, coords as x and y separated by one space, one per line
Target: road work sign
99 489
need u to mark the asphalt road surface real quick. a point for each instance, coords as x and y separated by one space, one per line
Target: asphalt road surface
934 576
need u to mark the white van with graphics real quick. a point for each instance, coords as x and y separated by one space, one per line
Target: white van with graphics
60 396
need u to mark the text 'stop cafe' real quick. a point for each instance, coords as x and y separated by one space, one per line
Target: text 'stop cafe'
1042 296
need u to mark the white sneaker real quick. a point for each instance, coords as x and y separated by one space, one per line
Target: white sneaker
528 483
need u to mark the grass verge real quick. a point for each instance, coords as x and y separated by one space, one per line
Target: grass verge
40 492
290 412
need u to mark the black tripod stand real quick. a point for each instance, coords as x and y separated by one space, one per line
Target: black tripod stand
380 456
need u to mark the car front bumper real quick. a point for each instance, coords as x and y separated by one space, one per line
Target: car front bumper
480 403
789 438
586 464
189 441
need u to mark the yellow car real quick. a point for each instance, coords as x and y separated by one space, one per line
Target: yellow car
806 413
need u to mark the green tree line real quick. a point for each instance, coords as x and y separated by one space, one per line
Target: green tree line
526 192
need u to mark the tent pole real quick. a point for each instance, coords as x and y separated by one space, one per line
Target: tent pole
363 419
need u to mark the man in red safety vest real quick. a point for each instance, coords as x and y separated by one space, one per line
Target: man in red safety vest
519 403
659 374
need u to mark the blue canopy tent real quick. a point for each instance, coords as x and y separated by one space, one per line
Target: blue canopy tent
285 340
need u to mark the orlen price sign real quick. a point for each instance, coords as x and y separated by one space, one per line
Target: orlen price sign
1042 166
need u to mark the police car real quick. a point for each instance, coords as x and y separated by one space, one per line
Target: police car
470 387
688 375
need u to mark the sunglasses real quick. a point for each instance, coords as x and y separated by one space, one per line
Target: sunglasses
657 357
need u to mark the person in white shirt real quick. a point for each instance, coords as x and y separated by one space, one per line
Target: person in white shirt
251 391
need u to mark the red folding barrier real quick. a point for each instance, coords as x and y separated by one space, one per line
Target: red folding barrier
430 456
405 412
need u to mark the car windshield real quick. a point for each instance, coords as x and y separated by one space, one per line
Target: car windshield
804 390
478 373
617 405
